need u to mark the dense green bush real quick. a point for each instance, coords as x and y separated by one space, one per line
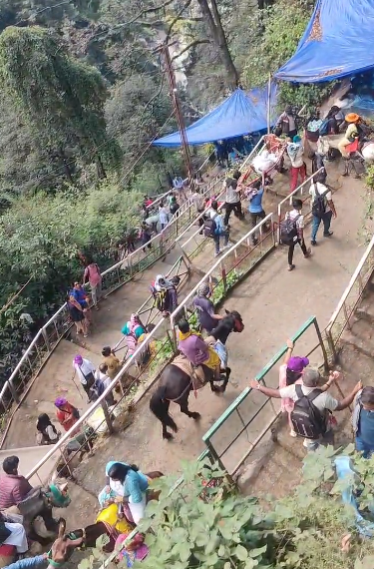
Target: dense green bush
40 238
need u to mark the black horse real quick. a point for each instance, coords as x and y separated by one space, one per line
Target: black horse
175 385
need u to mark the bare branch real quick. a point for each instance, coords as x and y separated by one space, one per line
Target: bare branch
193 44
146 11
13 297
43 10
176 18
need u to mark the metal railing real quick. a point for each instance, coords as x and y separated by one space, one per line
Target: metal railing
352 296
237 260
119 274
165 344
252 414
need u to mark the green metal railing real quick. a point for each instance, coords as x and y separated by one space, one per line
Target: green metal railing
244 413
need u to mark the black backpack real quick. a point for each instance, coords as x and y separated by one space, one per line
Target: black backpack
288 230
320 203
209 227
307 420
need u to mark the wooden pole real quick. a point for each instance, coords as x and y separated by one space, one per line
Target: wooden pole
269 105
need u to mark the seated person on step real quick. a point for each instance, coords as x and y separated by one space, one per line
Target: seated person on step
195 349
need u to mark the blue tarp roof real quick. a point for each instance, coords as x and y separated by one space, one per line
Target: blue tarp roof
338 41
242 113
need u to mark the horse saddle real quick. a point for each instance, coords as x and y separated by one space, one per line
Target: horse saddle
197 374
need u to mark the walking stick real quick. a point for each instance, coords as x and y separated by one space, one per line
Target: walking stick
73 376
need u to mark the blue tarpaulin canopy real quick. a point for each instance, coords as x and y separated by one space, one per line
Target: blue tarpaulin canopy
242 113
338 41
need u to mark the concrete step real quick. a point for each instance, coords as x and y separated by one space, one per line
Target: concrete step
366 310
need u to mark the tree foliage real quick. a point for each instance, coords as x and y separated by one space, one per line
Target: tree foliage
61 98
224 530
275 33
40 239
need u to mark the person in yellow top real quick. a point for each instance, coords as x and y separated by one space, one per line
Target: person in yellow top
195 349
111 361
351 133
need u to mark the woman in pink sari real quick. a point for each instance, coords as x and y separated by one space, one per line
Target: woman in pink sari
290 372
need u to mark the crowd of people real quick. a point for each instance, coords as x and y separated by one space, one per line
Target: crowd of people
308 404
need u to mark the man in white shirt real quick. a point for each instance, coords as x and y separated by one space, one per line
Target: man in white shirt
232 198
86 373
319 209
323 402
296 216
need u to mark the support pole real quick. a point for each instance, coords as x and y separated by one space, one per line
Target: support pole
269 105
178 112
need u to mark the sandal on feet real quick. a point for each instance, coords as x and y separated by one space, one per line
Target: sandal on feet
308 254
291 267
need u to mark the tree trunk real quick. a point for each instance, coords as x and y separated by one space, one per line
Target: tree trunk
67 170
213 20
100 168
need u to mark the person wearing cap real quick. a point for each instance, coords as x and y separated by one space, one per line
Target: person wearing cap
352 132
66 414
86 373
363 421
324 402
208 320
290 372
295 152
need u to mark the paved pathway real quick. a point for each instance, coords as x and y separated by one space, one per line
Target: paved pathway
273 302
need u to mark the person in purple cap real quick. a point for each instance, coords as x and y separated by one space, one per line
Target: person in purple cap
67 415
290 372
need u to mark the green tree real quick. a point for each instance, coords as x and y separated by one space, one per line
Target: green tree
61 98
221 529
276 32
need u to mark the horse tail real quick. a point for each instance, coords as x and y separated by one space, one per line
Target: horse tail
160 406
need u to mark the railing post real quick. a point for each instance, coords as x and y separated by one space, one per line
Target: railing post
13 391
224 277
46 339
107 416
324 351
331 345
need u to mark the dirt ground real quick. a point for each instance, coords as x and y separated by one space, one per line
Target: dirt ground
274 304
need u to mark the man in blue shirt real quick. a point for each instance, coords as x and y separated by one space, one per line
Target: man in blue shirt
255 207
363 421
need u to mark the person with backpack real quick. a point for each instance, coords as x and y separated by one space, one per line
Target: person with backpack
286 124
298 167
321 198
214 227
312 405
93 275
291 232
363 421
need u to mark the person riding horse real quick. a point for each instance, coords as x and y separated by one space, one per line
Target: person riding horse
165 293
195 349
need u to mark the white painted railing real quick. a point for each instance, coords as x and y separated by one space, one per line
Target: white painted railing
242 262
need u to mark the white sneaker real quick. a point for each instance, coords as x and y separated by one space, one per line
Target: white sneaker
218 254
